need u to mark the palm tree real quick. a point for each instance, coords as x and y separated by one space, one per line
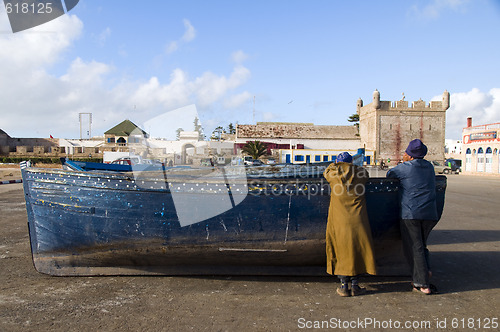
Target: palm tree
255 149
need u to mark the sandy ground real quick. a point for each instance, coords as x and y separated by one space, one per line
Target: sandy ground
465 249
10 173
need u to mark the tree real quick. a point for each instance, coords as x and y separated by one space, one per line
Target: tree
178 132
354 118
231 129
199 129
255 149
217 133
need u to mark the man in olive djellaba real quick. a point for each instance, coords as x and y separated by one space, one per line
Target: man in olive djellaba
349 244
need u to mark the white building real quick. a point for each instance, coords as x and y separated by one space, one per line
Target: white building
453 148
481 145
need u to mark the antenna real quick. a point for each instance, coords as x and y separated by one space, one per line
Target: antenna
82 117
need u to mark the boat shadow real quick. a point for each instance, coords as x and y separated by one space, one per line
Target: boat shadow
453 272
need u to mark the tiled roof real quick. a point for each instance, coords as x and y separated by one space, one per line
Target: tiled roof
125 128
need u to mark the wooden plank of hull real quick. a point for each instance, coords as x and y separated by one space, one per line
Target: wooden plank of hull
105 224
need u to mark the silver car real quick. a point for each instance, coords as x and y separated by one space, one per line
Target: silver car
440 168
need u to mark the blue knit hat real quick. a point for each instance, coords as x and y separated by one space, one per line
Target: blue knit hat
416 149
345 157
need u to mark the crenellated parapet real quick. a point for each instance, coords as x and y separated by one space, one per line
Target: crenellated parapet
388 126
419 105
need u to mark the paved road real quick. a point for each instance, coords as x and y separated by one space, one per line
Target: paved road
465 250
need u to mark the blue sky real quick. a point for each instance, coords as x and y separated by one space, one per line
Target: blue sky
301 61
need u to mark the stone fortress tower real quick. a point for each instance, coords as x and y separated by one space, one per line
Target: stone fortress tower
387 127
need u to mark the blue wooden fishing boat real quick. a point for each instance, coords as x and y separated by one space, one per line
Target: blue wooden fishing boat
231 220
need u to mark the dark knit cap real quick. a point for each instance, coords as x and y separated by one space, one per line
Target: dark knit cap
416 149
345 157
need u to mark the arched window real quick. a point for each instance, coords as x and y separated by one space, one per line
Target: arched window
480 160
121 141
488 160
468 160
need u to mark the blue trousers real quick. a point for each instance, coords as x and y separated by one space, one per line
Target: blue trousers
414 234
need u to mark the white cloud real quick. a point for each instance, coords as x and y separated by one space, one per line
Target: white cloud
210 87
483 107
171 47
81 74
239 57
103 36
188 36
39 46
190 32
236 101
435 8
35 103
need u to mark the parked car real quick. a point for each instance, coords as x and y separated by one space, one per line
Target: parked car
439 168
253 162
247 160
454 164
271 161
126 161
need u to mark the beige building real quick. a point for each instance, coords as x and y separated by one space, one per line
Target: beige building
481 145
19 147
387 127
306 135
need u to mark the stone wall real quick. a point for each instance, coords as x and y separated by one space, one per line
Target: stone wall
307 130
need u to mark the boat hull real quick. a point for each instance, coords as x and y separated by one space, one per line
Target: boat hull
103 223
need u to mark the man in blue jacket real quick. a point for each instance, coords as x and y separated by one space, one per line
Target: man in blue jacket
418 211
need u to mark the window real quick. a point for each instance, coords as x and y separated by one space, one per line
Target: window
325 158
299 157
111 139
121 141
480 158
317 157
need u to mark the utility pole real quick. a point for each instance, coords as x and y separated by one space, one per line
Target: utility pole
254 110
